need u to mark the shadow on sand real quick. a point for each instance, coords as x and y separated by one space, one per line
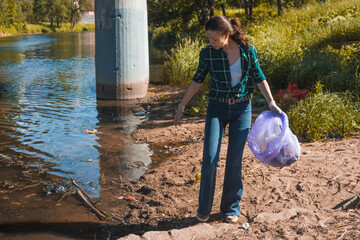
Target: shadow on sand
91 230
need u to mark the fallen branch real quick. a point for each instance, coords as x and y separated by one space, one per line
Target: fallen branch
4 156
352 200
91 206
76 185
66 193
88 202
334 178
342 235
346 204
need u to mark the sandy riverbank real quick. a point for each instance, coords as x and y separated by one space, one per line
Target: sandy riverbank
295 202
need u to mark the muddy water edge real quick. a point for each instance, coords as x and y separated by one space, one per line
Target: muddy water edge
35 94
29 213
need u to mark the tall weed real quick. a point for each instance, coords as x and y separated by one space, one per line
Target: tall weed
335 68
179 69
45 28
316 117
181 64
283 41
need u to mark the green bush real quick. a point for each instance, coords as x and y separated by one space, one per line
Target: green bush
179 69
45 28
335 68
314 118
315 42
36 28
346 75
161 36
181 64
301 33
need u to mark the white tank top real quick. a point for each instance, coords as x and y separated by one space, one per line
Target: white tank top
235 71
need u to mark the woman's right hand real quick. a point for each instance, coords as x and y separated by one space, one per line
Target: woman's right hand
190 91
178 114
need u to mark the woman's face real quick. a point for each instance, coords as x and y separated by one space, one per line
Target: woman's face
216 39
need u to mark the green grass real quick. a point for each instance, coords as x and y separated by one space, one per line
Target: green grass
336 68
316 44
181 63
294 47
283 41
179 69
45 28
321 115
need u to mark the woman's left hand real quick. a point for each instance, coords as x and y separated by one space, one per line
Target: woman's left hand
274 107
178 113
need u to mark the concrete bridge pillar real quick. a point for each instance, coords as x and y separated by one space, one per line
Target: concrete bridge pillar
121 49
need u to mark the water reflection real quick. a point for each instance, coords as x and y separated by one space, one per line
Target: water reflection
119 157
48 98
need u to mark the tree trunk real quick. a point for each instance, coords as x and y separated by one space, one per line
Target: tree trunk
251 4
223 9
77 8
203 16
211 13
72 22
211 8
280 7
247 7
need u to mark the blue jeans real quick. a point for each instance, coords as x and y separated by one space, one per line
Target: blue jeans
238 116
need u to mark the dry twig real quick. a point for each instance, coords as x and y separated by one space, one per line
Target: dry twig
90 205
347 203
342 235
88 202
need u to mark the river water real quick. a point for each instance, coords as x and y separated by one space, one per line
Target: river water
48 99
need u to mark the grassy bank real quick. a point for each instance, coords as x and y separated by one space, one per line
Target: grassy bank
286 42
318 42
315 45
44 28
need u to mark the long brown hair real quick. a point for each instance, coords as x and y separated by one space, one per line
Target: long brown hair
233 27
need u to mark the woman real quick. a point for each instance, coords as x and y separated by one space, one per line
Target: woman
233 67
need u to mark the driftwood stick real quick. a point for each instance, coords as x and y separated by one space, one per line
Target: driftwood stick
89 198
65 193
91 206
347 203
342 235
334 178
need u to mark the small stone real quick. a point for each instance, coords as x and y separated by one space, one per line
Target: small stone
323 225
245 225
264 229
60 189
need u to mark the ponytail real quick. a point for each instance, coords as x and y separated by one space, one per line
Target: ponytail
233 27
238 33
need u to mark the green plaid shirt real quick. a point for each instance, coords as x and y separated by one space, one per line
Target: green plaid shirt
216 62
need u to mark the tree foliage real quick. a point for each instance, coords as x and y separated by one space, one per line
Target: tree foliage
190 14
18 12
10 12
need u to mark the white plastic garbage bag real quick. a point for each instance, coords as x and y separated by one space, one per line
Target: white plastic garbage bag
271 140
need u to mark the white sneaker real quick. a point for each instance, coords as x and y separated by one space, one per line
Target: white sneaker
202 218
231 219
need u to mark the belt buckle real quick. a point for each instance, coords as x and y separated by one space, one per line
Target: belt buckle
231 101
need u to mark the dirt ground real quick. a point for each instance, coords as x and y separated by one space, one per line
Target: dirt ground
295 202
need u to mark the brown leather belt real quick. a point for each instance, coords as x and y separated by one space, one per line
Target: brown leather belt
231 101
